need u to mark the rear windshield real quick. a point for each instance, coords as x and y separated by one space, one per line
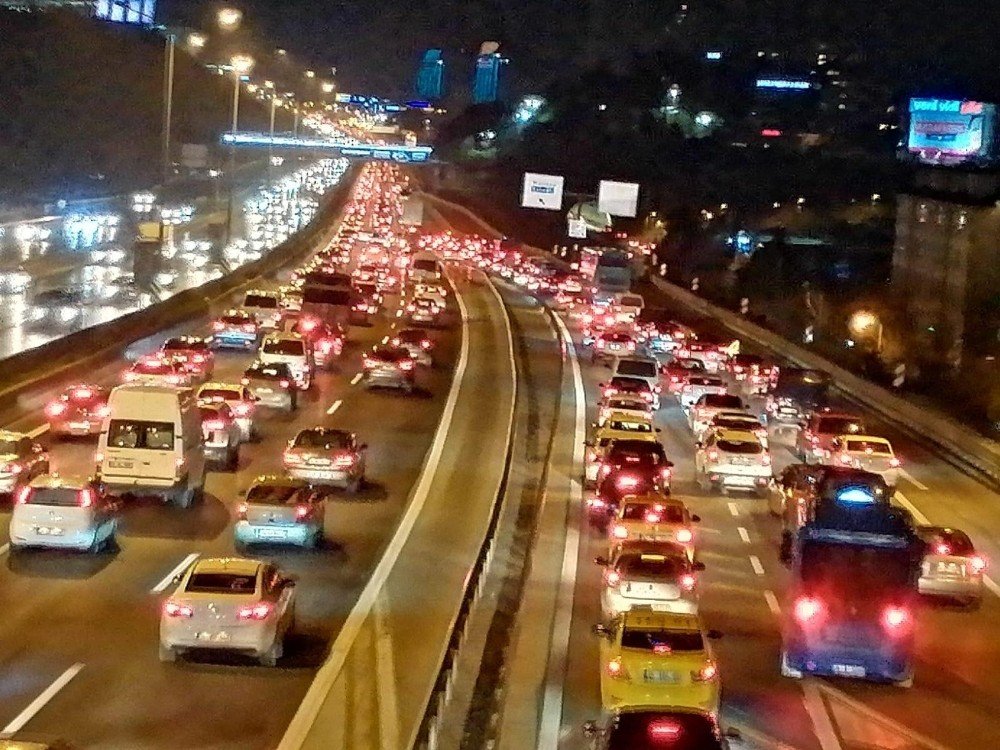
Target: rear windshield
425 264
237 320
736 423
268 372
675 640
632 384
624 403
689 364
65 497
635 451
704 381
637 368
325 296
723 401
946 541
287 347
127 433
390 355
273 494
652 566
222 583
631 301
739 446
260 300
865 446
617 337
839 425
223 394
324 440
631 426
189 345
639 511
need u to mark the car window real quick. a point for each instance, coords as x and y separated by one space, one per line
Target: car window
261 300
323 440
124 433
624 426
221 583
675 640
839 425
224 394
721 401
65 497
637 368
739 446
8 447
652 566
273 494
285 347
865 446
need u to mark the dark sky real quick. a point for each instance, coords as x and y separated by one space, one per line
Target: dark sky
376 44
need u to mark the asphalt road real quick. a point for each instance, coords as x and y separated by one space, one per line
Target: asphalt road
951 705
99 615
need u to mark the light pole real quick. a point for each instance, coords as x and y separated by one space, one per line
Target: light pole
168 103
241 65
862 321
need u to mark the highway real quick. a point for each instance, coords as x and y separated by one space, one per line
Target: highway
78 656
950 706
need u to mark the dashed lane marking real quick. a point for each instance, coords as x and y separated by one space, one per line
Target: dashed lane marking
756 565
772 602
744 534
356 379
334 406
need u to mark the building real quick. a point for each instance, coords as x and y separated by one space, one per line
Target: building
430 76
486 80
138 12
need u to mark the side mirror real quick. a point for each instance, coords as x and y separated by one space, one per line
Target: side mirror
363 447
714 635
602 560
602 385
602 630
730 733
699 566
659 429
695 518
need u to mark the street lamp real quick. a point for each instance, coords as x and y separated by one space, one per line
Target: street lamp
862 322
241 65
327 87
229 18
196 41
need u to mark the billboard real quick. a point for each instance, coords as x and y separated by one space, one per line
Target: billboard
618 198
951 131
142 12
542 191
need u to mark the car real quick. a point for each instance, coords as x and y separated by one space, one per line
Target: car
239 398
237 329
192 353
621 385
327 340
265 306
430 290
78 411
697 386
646 368
21 460
327 457
230 604
667 336
292 350
652 517
814 442
158 370
62 512
652 728
658 576
418 343
658 659
951 567
628 306
703 410
618 426
738 420
389 367
629 467
793 487
867 452
280 510
677 372
633 406
733 460
610 344
424 310
711 354
220 434
272 385
751 372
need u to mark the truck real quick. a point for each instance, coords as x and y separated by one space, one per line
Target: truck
328 296
855 565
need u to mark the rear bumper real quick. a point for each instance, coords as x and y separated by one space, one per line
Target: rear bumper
373 378
24 535
971 588
76 428
281 400
614 604
317 475
233 341
837 660
242 639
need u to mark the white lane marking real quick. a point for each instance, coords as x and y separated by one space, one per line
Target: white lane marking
39 703
550 724
356 379
38 431
336 405
385 339
326 676
744 534
177 570
915 482
734 510
756 565
822 724
772 602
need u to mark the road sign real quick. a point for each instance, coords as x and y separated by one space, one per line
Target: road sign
542 191
576 228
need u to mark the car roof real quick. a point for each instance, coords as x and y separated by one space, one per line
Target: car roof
218 385
60 481
282 480
652 498
636 547
865 438
237 565
622 416
660 620
326 431
737 436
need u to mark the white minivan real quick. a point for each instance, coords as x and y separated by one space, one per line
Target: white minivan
150 444
636 366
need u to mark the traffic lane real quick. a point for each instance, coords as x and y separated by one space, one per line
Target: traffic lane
330 580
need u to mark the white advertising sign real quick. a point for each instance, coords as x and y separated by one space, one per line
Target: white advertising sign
542 191
618 198
576 228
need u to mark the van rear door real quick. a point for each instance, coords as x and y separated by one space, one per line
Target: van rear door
139 450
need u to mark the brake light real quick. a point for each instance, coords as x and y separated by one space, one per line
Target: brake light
619 532
665 473
605 470
647 396
895 462
713 455
664 730
176 609
425 344
214 424
308 325
258 611
684 536
284 382
12 468
687 582
610 392
249 328
406 365
807 609
302 512
616 670
708 672
241 511
22 496
613 578
55 409
344 460
765 459
675 379
895 619
218 326
85 497
977 563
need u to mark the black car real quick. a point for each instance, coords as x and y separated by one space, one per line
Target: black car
653 729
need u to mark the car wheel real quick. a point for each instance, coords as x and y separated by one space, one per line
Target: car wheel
762 493
355 486
973 604
184 498
167 654
270 657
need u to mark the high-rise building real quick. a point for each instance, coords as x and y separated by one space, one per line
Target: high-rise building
430 76
486 81
139 12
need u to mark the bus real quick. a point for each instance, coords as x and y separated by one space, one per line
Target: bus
855 566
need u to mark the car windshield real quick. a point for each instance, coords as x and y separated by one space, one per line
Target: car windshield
666 513
868 446
663 731
285 347
652 566
739 423
220 394
946 541
839 426
636 451
675 640
261 300
851 573
746 447
273 494
629 384
65 497
638 368
221 583
630 301
326 440
425 264
137 434
722 401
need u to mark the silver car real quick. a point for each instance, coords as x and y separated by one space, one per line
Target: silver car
418 343
951 567
62 512
280 510
389 367
229 604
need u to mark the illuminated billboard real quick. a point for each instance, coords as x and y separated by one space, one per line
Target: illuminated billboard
951 131
142 12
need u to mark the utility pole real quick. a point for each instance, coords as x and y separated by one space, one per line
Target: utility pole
168 104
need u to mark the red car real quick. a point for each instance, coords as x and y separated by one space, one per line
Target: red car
79 410
679 370
327 341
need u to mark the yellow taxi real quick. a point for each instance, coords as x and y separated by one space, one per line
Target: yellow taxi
618 426
658 659
653 517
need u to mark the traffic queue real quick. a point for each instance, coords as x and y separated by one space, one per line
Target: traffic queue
172 419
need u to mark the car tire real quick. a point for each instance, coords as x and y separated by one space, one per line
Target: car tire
184 498
270 657
763 492
973 605
355 487
167 654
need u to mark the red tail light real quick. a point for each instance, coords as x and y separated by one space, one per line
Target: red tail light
613 578
241 511
895 462
765 459
218 326
600 343
610 392
289 457
675 379
302 512
687 582
344 460
684 536
85 497
249 328
395 341
308 325
55 409
258 611
616 669
896 619
807 609
664 731
176 609
23 495
977 563
706 673
284 382
425 344
665 473
406 365
713 455
605 470
845 458
619 532
647 396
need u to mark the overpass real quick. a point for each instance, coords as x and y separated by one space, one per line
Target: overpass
334 147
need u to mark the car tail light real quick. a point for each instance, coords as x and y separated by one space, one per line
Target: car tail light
895 619
284 382
665 473
425 344
406 365
713 455
85 498
12 468
290 457
244 381
610 392
687 582
218 326
942 549
23 495
176 609
600 343
241 511
807 609
55 409
249 328
302 512
344 460
83 394
684 536
619 532
708 672
664 730
605 470
675 379
895 462
395 341
258 611
613 578
647 396
411 307
214 424
765 459
595 502
308 325
630 346
616 670
977 563
242 410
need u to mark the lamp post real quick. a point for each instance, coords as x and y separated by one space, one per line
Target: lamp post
229 18
864 320
241 65
168 103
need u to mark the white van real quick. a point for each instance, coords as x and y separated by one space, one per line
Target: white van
646 368
150 444
264 306
290 349
425 268
628 306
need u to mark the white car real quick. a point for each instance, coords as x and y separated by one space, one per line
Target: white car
737 420
649 575
265 306
231 604
697 386
239 398
634 407
643 368
733 460
62 512
157 370
867 452
290 349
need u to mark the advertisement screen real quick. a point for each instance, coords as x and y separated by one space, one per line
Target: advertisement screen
542 191
947 131
618 198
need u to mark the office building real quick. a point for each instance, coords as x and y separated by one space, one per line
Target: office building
486 80
430 76
138 12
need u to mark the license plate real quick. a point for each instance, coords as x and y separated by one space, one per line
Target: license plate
79 425
272 533
48 531
114 463
848 670
660 675
738 481
206 635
